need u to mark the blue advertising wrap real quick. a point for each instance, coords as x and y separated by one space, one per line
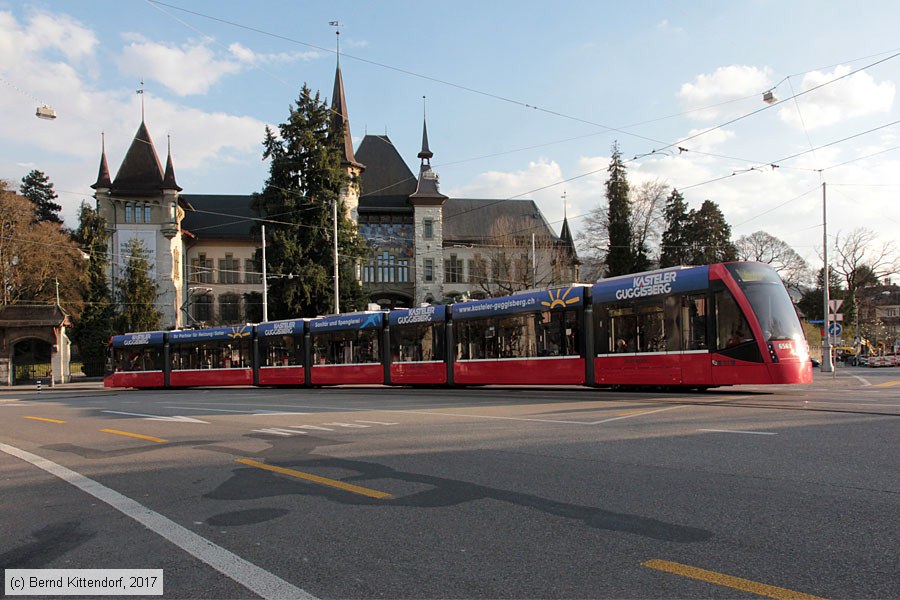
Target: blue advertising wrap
344 322
150 338
657 283
217 334
292 327
423 314
555 299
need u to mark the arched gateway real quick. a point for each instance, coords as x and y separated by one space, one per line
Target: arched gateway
33 344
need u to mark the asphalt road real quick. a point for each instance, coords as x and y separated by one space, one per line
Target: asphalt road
473 493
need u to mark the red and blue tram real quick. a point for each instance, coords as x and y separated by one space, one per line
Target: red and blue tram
347 349
280 353
137 360
418 343
210 357
707 326
531 338
683 327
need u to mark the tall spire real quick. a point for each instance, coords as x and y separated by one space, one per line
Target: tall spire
427 192
425 154
103 180
339 119
169 178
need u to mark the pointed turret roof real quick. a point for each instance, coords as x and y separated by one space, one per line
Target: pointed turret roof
565 234
140 172
427 188
425 153
169 178
340 119
103 180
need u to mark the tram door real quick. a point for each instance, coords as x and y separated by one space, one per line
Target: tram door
31 361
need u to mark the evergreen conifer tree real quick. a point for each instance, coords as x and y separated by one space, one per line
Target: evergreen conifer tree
709 236
137 292
305 180
93 328
621 256
37 187
674 243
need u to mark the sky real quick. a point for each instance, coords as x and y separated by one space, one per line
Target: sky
523 99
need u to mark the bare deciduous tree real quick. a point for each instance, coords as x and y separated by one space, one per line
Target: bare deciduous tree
860 261
647 218
35 255
763 247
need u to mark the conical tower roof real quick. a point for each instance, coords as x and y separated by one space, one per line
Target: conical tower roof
140 173
339 119
103 180
169 178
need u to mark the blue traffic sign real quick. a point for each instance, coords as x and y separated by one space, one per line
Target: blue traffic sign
835 329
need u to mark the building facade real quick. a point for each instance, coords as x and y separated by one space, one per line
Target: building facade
425 247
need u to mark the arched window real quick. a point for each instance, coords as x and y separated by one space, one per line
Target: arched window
128 216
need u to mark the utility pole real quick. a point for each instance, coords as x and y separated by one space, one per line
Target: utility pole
337 302
265 280
827 364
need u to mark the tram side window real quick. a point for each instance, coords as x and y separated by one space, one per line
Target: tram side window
732 328
516 336
650 334
281 350
476 338
417 342
138 358
346 347
557 333
226 354
622 328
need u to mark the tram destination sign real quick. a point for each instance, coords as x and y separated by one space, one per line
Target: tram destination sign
149 338
657 283
292 327
423 314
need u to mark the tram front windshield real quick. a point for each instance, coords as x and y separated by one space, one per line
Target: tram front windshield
769 299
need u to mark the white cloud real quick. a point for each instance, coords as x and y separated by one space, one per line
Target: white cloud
250 57
854 96
504 184
709 91
710 140
188 69
68 148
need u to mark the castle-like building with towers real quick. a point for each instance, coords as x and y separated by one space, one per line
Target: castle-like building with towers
425 247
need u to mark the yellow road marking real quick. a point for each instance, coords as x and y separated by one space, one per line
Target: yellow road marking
887 384
315 478
45 419
135 435
745 585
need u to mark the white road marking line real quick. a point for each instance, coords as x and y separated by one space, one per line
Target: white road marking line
175 419
315 427
268 413
254 578
376 422
734 431
863 379
279 431
353 425
243 412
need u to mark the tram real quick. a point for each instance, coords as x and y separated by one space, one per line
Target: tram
684 327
